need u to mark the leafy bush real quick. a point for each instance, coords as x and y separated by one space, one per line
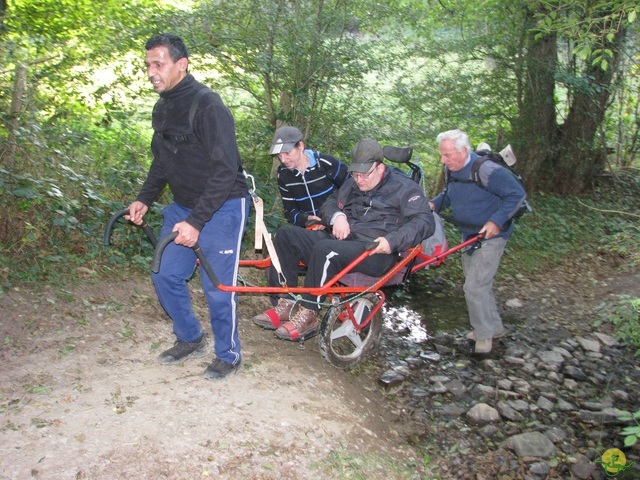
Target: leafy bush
625 315
56 199
631 433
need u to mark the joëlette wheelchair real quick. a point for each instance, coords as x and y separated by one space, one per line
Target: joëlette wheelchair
351 328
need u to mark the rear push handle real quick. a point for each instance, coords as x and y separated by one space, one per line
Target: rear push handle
159 246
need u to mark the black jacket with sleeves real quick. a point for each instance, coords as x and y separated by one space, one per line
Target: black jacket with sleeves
395 209
203 167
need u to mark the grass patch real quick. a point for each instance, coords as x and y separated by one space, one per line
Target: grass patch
347 465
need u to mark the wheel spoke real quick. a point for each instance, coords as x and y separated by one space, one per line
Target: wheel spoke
342 343
346 330
342 330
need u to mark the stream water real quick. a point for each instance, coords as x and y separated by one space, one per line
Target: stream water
427 308
424 312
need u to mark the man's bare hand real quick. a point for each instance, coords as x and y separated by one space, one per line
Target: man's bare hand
187 234
341 228
383 246
490 229
137 210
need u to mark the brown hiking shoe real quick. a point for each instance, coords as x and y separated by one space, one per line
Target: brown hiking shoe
483 345
499 334
303 324
274 317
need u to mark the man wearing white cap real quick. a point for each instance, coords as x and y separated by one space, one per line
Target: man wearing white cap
378 203
305 178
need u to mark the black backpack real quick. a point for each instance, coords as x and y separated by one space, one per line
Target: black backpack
171 140
489 156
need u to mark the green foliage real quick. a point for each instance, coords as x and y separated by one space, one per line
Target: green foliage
565 226
631 433
625 316
345 464
73 29
54 208
592 26
557 228
398 72
319 80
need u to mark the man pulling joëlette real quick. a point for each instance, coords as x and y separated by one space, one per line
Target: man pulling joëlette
201 164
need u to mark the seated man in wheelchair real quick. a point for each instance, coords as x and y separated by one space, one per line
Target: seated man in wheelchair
378 203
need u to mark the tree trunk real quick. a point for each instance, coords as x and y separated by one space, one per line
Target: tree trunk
535 129
19 86
579 159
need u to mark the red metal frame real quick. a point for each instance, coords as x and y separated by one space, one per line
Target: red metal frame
413 259
333 286
348 314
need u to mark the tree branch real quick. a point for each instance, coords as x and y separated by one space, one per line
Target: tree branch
608 211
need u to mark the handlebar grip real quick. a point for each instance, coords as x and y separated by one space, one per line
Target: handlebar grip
116 216
166 240
149 231
157 254
371 245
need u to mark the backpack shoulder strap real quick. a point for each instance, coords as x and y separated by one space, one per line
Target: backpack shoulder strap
173 139
447 176
475 170
475 176
194 106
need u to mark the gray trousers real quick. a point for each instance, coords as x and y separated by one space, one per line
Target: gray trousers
479 270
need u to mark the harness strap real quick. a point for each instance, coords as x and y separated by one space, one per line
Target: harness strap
261 232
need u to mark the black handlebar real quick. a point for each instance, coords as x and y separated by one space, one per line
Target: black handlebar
116 216
159 246
166 240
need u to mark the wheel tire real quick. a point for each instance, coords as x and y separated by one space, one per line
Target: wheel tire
339 343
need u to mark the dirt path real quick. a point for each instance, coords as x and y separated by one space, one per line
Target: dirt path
82 396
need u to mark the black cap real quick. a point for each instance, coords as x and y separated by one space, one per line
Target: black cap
364 154
284 140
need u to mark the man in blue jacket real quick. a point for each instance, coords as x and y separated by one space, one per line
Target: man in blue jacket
305 178
378 203
198 159
485 209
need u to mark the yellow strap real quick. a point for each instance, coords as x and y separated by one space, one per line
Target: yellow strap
261 233
260 227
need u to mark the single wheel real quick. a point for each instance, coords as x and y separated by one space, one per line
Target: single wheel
341 344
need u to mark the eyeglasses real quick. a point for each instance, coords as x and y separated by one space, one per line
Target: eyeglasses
364 176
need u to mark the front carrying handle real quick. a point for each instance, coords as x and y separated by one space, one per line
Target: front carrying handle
166 240
116 216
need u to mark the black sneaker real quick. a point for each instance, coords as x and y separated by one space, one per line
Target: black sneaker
182 351
220 369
